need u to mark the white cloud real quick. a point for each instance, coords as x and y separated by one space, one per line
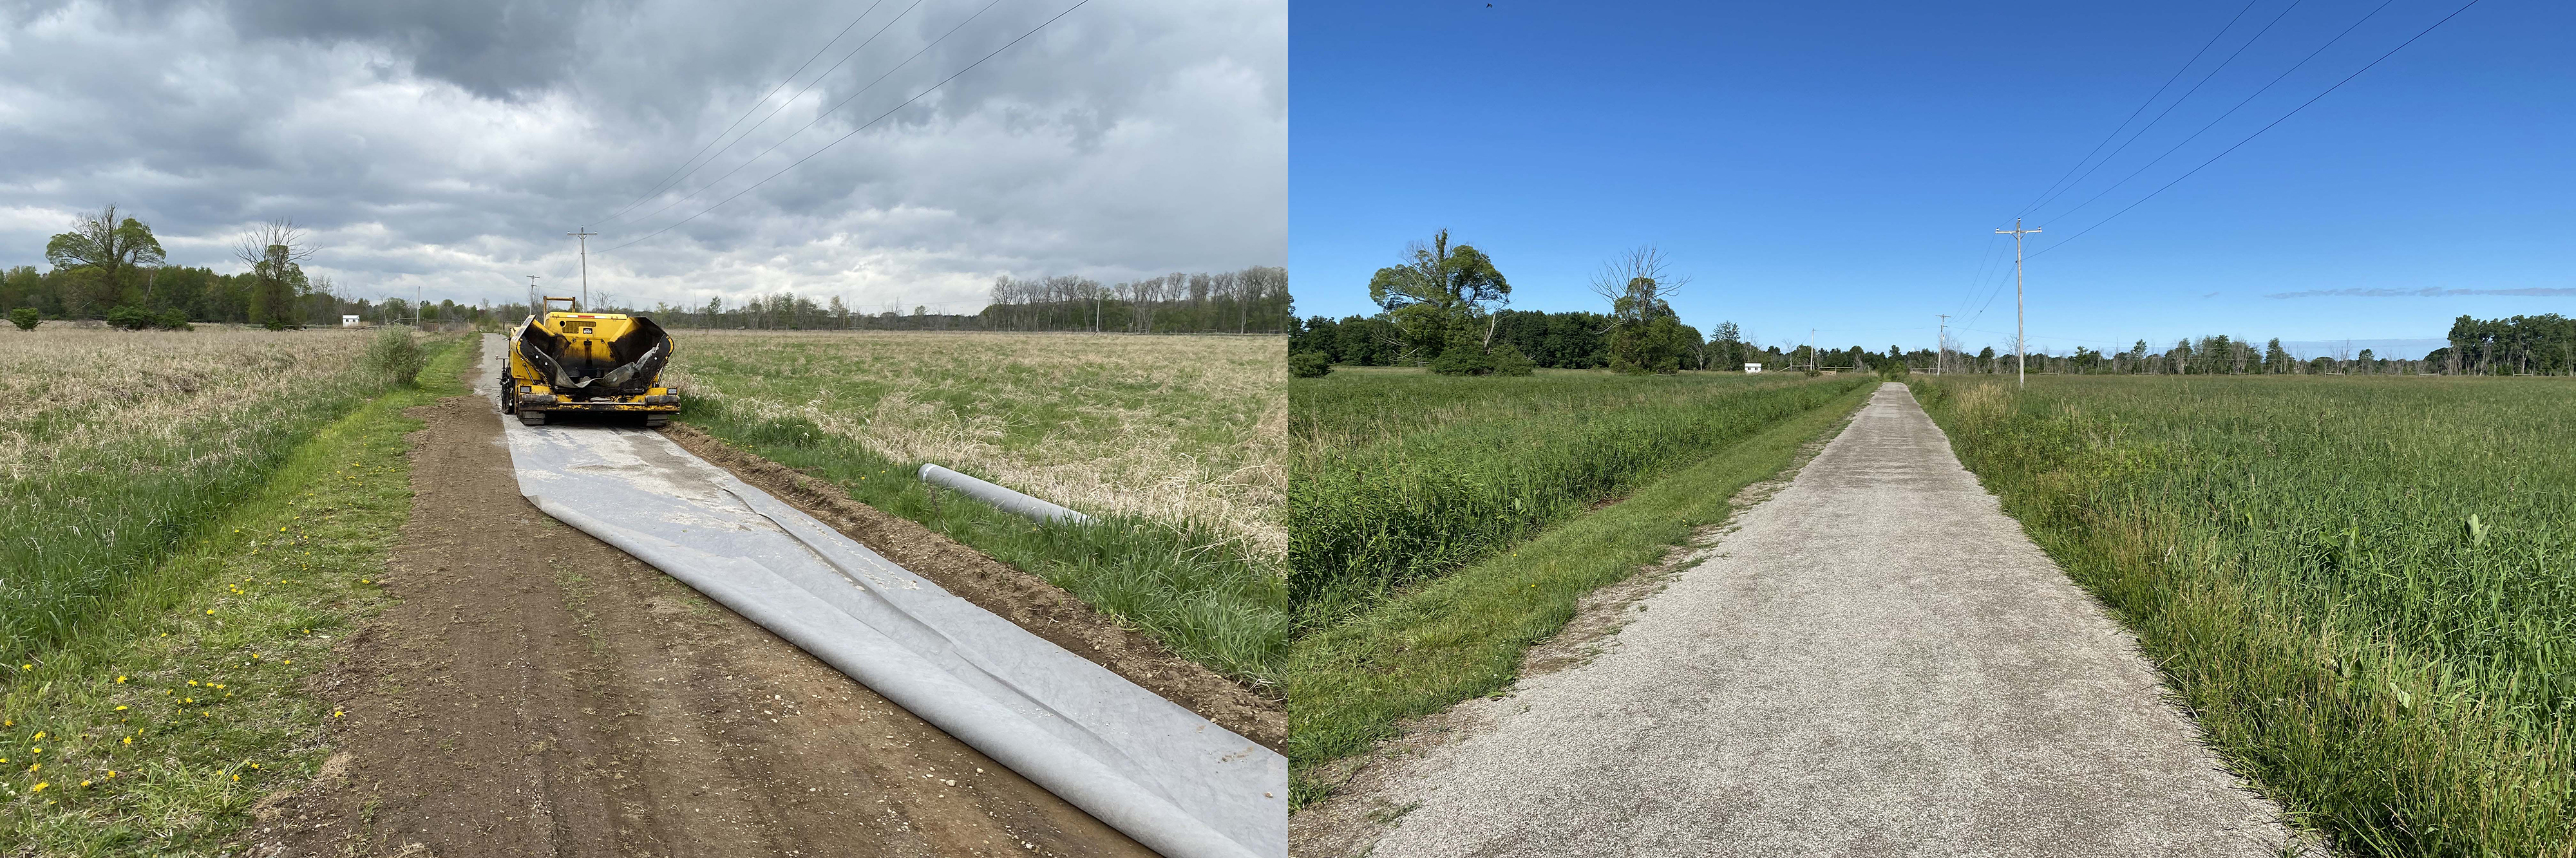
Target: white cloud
429 147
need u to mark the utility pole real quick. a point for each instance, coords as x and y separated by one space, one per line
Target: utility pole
532 294
2021 353
1811 350
1941 347
584 235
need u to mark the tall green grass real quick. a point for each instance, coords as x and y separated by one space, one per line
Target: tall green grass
1398 477
2364 588
81 526
1191 587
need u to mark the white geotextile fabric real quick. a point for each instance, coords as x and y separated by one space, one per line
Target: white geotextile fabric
1161 774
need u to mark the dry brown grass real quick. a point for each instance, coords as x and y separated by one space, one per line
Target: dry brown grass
72 389
1172 428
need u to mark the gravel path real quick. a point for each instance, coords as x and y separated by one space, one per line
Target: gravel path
1880 663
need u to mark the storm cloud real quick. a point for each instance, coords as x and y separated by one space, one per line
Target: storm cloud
449 146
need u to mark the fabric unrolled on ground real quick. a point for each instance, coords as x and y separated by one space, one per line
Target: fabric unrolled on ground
1157 772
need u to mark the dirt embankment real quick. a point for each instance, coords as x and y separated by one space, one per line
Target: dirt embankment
537 692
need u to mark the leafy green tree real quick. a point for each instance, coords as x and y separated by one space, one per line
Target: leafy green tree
2276 360
1310 364
1438 294
114 249
1508 360
24 317
1463 357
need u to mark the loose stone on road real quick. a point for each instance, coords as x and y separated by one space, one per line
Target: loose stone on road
1879 662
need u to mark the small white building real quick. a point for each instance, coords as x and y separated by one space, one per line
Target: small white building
1752 367
348 321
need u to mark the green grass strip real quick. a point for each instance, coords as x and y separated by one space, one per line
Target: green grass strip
1190 589
183 703
2360 587
1463 635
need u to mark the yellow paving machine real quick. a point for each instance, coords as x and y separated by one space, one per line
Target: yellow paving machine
571 362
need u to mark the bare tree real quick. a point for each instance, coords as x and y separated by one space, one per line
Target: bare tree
275 251
1638 282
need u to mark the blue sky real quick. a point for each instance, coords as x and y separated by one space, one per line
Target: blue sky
1841 165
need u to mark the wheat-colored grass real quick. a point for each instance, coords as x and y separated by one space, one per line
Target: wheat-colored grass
65 390
1171 428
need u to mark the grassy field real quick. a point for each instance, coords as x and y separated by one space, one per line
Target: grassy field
117 445
2364 588
154 724
1400 475
1175 442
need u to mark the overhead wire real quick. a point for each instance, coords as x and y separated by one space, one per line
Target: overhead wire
2169 109
746 114
819 117
800 93
2259 131
2240 105
870 123
2142 107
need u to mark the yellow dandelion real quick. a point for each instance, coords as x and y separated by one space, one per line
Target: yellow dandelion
236 779
39 787
40 734
35 766
120 709
335 713
120 680
192 682
209 612
129 740
111 773
26 667
84 783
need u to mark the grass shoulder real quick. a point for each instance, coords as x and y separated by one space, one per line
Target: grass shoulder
156 728
1197 591
1444 640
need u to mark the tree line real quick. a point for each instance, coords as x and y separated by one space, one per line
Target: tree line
1443 307
1251 301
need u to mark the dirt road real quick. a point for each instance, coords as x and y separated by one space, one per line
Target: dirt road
537 692
1879 663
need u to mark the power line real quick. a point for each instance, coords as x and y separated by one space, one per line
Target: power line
746 113
2259 132
2169 109
2142 107
2240 105
870 123
818 118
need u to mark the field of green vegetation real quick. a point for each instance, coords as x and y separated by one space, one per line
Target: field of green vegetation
1400 475
1173 443
163 691
117 445
1462 519
2364 588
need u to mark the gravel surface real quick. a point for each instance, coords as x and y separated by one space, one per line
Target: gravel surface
1879 663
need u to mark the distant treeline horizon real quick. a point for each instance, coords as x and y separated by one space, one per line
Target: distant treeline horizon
1577 339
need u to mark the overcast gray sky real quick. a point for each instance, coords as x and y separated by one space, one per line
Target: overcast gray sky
450 145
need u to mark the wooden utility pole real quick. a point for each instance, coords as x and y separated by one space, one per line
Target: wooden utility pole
584 235
2021 353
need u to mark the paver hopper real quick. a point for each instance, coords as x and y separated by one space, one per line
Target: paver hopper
568 361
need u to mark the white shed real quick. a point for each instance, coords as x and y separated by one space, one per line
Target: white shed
1752 367
348 321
